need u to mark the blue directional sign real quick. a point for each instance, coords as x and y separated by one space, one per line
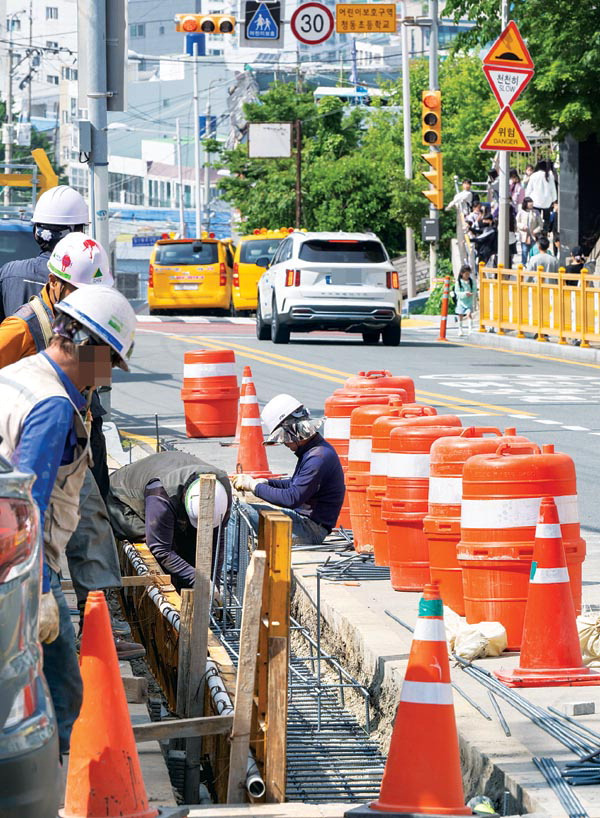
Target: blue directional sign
262 21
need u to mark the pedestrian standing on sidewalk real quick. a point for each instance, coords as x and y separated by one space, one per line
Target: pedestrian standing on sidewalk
464 290
529 225
42 432
542 189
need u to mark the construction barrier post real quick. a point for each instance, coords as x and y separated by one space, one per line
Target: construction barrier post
444 315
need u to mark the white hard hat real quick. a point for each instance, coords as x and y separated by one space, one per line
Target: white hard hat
78 259
192 503
61 205
277 409
106 313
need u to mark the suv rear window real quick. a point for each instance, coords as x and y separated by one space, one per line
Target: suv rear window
251 250
345 251
189 252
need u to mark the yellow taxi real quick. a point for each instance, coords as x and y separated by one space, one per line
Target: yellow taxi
252 256
186 274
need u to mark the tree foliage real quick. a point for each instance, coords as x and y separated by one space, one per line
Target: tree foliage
564 43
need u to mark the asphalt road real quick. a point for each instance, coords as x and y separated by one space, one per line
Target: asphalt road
549 400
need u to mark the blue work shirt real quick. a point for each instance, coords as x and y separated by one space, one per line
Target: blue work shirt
316 487
21 279
48 440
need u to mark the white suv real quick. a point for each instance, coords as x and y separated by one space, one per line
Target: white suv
320 281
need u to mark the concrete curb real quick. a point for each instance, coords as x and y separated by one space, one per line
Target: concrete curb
510 342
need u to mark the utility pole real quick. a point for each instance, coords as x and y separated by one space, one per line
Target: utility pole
434 86
298 129
30 63
197 143
411 288
97 94
9 127
354 75
207 135
180 171
503 186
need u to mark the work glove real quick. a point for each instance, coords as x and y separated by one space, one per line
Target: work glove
243 482
49 618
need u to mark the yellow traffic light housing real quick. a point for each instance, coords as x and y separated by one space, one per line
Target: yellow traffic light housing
435 177
205 23
431 117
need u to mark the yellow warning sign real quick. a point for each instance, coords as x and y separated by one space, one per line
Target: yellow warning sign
365 17
506 134
509 49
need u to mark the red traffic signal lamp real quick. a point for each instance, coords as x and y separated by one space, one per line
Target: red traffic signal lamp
431 117
435 177
205 23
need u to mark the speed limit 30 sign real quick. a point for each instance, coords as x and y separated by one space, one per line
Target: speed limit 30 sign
312 23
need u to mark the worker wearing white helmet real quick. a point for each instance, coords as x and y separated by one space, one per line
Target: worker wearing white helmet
42 432
58 212
313 496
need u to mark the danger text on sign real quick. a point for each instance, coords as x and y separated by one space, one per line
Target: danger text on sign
506 135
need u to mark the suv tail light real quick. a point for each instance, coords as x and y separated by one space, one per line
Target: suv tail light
222 275
392 280
292 278
236 275
18 532
151 276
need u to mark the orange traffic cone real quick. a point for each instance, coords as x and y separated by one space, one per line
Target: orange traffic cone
422 773
104 777
550 650
252 456
246 378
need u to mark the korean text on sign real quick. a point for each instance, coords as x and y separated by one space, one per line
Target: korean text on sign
365 17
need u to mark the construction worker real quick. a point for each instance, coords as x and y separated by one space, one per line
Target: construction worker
75 261
156 500
313 496
58 211
42 432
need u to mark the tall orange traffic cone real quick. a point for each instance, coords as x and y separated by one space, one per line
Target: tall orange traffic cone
550 650
104 777
252 456
422 773
246 378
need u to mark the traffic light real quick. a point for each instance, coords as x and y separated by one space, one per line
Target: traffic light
435 177
431 118
205 23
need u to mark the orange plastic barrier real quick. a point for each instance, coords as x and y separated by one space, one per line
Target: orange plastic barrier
104 778
252 455
421 416
382 378
210 393
550 653
336 430
500 504
405 504
442 523
422 773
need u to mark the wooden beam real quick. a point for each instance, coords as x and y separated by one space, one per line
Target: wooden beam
186 615
182 728
246 671
130 582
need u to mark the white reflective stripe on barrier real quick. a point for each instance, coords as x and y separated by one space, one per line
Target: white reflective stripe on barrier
445 490
548 531
379 461
208 370
359 449
408 465
426 693
249 399
515 512
430 630
548 576
251 422
336 428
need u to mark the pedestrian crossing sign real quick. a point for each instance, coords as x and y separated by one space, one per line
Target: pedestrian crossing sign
262 26
506 134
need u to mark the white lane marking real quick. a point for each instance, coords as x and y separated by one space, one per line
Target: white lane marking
192 319
576 428
548 422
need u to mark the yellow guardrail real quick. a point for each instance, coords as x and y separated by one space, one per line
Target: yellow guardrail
562 305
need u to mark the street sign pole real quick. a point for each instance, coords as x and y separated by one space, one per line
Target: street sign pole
503 186
434 86
196 109
408 169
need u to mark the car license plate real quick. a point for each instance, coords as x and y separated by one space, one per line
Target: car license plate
185 286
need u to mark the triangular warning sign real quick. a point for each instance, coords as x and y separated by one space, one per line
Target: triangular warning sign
509 49
506 134
507 83
262 26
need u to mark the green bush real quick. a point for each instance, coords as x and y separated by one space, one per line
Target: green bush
434 302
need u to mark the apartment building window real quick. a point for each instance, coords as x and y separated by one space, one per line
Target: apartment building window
52 79
51 12
13 24
161 30
137 30
69 73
